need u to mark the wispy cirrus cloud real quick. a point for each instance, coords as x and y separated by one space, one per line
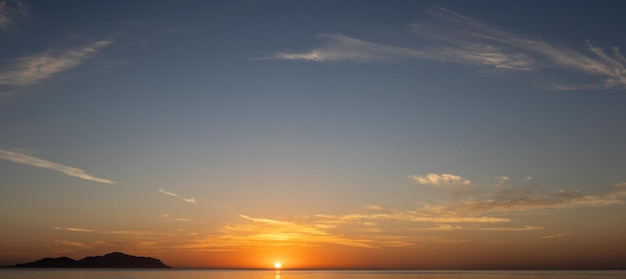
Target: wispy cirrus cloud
459 31
453 37
32 69
29 70
339 47
71 229
250 232
74 244
179 219
10 13
264 230
351 230
120 232
528 198
37 162
344 48
405 216
189 200
554 236
450 227
369 228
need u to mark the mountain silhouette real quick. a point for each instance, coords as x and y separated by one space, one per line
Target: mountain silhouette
111 260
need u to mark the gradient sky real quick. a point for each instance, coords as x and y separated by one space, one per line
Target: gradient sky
397 134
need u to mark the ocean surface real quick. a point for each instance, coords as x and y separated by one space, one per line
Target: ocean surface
10 273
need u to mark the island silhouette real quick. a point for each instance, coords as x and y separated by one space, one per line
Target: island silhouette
111 260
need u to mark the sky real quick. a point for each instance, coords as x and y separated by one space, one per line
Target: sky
319 134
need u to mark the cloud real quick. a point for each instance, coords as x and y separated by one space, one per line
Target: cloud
75 244
440 179
449 227
554 236
501 199
452 184
373 207
169 217
617 191
279 233
118 232
508 229
367 229
10 13
528 197
189 200
312 231
73 229
344 48
36 162
405 216
32 69
453 37
458 31
502 179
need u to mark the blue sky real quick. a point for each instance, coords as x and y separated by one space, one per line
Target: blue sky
198 117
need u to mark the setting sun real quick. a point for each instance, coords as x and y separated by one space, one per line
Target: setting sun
277 265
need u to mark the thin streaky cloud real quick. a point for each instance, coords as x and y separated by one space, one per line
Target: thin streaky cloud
282 233
10 13
527 198
118 232
460 39
448 227
554 235
356 230
344 48
484 55
169 217
73 229
168 193
373 207
189 200
509 229
372 214
405 216
37 162
72 243
32 69
467 30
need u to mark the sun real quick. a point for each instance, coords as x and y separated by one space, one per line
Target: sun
277 265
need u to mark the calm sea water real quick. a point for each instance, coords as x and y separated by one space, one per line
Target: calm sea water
296 274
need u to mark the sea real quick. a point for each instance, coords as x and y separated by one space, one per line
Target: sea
59 273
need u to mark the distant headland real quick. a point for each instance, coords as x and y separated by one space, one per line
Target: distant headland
111 260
